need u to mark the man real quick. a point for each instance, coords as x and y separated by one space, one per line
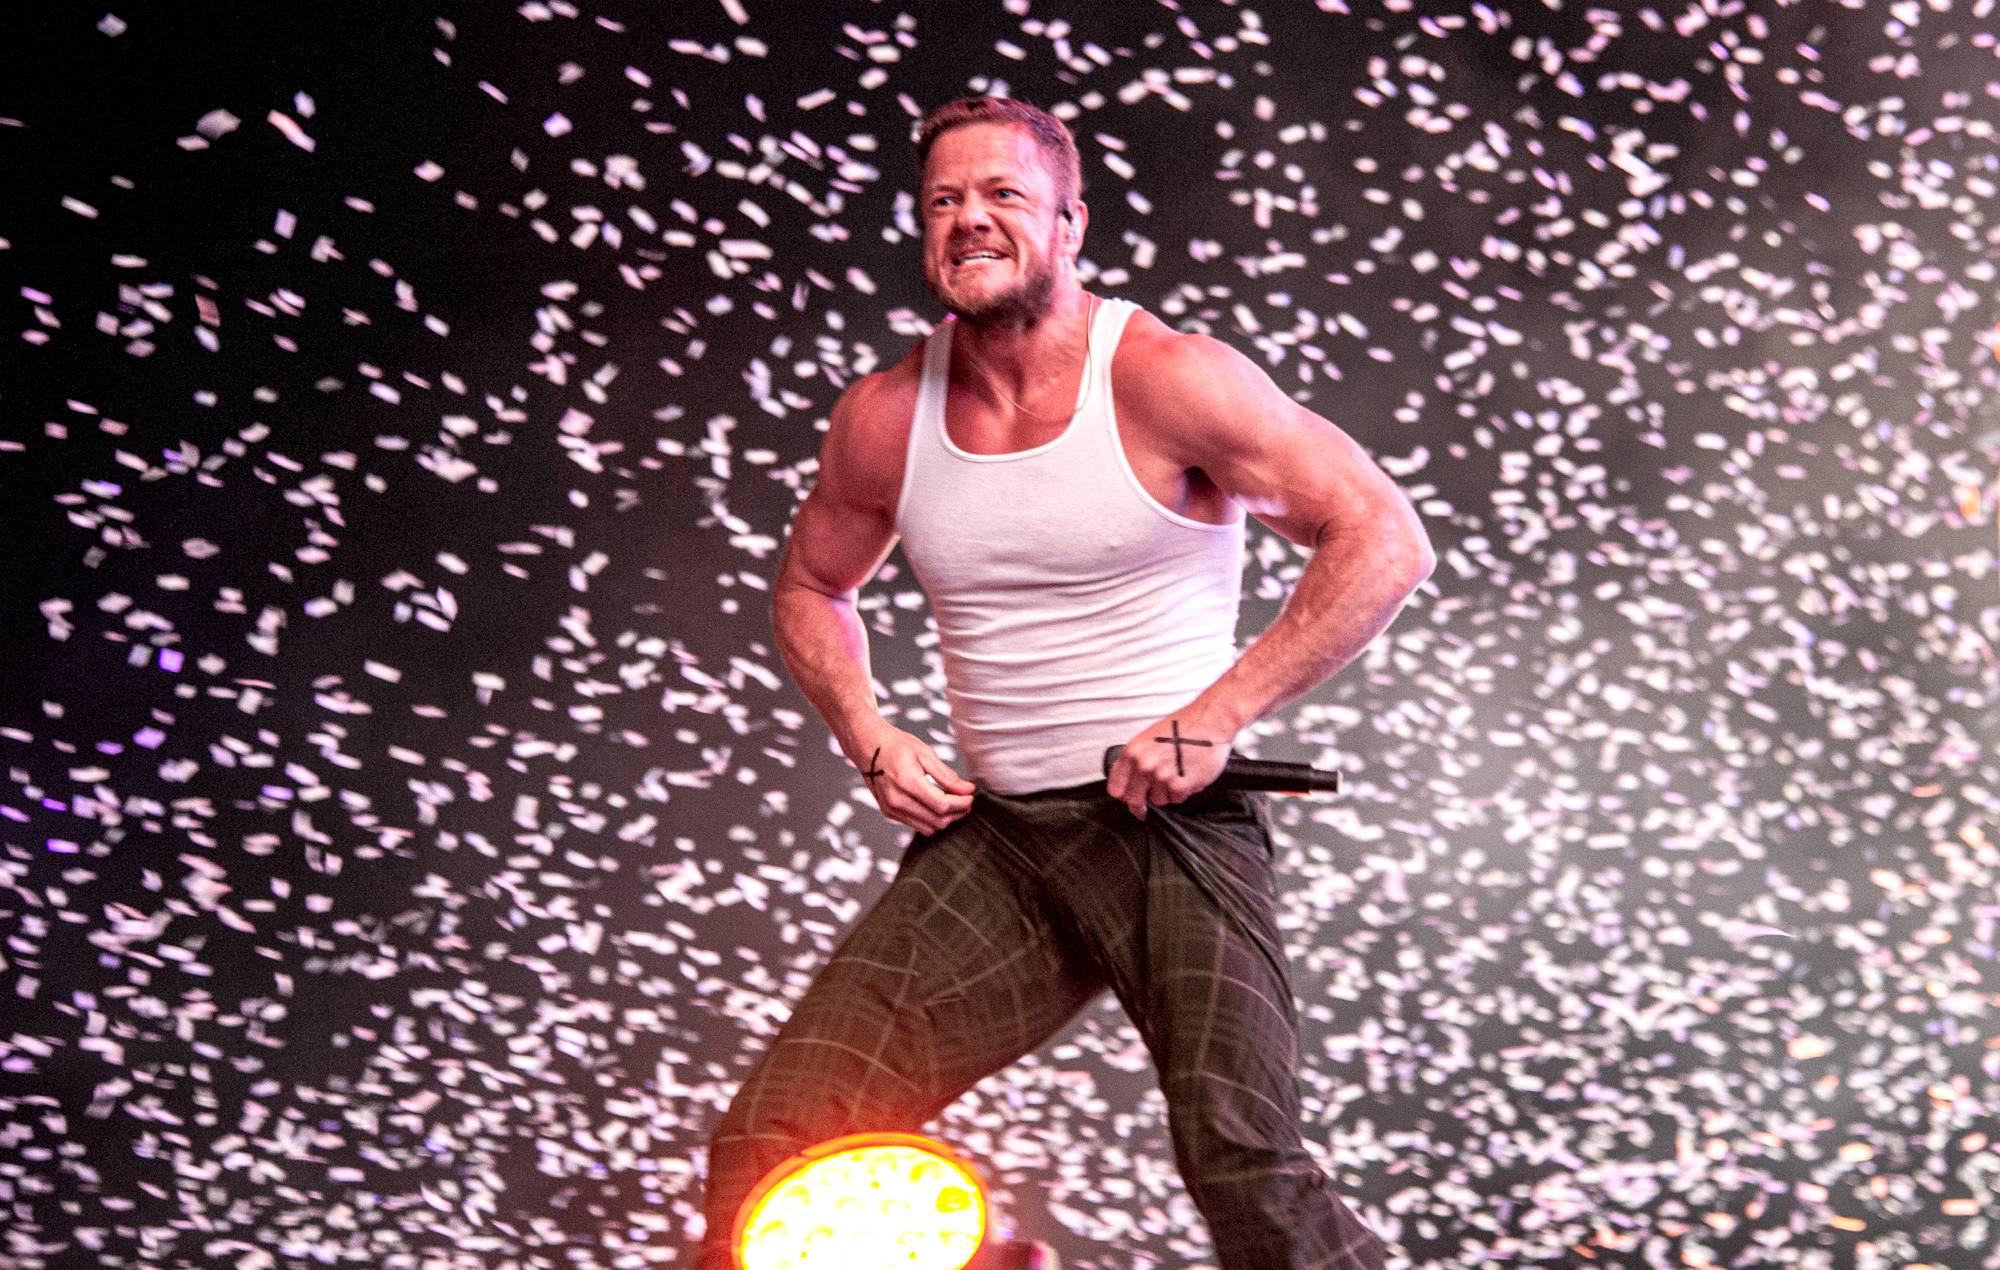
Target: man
1069 478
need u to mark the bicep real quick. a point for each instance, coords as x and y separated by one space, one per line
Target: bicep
843 530
1292 469
836 543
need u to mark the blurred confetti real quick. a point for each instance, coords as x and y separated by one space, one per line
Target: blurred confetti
411 837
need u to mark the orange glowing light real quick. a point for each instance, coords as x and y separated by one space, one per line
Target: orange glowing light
868 1201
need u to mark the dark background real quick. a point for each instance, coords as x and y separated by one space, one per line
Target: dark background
410 837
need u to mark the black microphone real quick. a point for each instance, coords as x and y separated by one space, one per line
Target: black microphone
1262 774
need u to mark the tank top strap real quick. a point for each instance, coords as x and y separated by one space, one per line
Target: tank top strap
1112 315
1106 331
925 445
936 380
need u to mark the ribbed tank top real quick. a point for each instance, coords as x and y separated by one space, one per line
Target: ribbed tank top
1071 607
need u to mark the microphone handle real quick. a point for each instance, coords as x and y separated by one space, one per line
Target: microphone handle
1264 775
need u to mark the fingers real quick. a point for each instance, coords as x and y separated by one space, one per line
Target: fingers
950 781
944 792
913 787
1127 785
921 819
1140 787
1143 780
919 804
905 808
942 807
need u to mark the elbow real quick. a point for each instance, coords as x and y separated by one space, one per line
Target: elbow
796 599
1391 537
1407 550
1419 561
1409 565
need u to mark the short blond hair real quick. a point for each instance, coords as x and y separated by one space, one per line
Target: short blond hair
1051 136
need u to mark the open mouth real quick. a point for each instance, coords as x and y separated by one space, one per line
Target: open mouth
976 256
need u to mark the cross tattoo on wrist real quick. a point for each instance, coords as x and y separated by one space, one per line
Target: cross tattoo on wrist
1177 741
874 768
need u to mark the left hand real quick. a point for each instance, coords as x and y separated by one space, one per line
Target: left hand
1148 774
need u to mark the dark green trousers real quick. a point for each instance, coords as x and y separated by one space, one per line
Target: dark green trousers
994 935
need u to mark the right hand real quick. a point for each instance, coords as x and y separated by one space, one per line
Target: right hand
912 785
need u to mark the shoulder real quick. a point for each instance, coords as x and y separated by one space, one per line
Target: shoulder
1174 384
885 398
1155 357
868 432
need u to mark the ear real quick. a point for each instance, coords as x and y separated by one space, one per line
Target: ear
1074 218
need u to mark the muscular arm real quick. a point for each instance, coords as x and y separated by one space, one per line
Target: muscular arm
839 538
1310 482
1307 480
820 634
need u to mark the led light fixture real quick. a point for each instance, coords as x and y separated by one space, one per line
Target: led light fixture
868 1201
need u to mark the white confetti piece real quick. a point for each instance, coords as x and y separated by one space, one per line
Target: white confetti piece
293 133
217 123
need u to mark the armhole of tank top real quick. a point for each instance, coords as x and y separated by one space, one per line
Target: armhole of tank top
1117 443
929 383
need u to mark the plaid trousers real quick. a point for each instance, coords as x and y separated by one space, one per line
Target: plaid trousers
994 935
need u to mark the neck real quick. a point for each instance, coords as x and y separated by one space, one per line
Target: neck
1014 350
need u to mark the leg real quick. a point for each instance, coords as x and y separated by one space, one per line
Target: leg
952 975
1201 970
1220 1001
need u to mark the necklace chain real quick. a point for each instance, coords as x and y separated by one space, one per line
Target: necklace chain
993 381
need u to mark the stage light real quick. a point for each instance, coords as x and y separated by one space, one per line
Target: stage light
868 1201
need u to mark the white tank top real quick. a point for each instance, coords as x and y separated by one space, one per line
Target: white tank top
1071 607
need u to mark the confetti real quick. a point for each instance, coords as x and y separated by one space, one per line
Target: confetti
412 835
296 135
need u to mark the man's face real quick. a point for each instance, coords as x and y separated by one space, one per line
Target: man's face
993 239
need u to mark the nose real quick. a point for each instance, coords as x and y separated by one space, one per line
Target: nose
973 215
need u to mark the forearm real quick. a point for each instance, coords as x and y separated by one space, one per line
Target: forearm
825 646
1341 603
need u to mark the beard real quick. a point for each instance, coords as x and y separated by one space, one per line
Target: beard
1022 304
